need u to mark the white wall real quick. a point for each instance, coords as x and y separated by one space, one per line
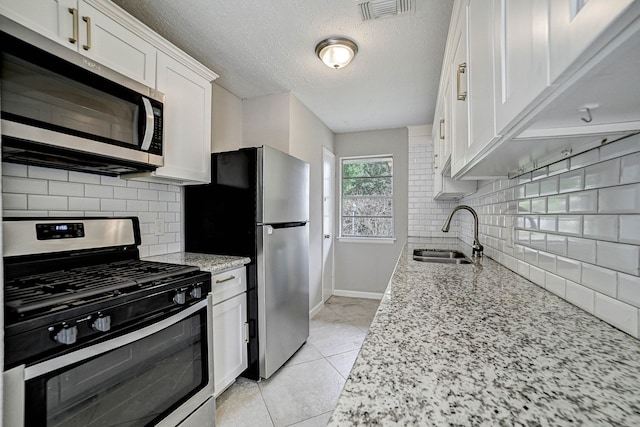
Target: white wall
266 121
367 267
307 137
576 229
226 120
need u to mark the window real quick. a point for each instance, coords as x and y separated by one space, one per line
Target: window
367 197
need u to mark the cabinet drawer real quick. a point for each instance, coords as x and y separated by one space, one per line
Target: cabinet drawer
228 284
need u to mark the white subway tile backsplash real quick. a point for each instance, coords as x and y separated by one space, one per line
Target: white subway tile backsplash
549 186
581 249
125 193
117 182
555 284
630 229
620 148
570 224
532 189
113 205
539 205
572 181
84 178
584 159
24 185
557 204
46 203
84 204
37 172
524 206
620 257
14 169
569 269
144 194
547 261
603 174
60 188
601 227
559 167
538 240
539 173
523 269
622 199
629 289
619 314
599 279
630 169
98 191
536 275
581 296
583 202
14 201
557 244
548 223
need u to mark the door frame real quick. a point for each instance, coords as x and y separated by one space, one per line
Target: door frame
328 156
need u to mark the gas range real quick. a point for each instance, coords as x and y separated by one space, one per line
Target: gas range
71 282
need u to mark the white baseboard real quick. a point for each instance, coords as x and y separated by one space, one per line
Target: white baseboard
357 294
315 310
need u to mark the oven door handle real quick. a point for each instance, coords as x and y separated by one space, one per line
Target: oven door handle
51 365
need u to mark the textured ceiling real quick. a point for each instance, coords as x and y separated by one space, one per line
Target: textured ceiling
263 47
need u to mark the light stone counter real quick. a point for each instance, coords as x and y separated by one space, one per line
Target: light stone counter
206 262
476 345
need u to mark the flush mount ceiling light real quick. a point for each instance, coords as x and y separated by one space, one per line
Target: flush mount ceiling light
336 52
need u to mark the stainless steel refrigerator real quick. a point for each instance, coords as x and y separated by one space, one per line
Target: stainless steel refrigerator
257 205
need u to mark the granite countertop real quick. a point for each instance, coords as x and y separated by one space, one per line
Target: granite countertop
479 345
206 262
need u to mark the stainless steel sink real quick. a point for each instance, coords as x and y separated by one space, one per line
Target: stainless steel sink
443 256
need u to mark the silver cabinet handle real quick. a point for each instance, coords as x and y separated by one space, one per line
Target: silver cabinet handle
226 280
462 69
441 128
246 332
74 38
87 19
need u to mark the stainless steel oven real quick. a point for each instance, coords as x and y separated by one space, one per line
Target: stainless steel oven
94 336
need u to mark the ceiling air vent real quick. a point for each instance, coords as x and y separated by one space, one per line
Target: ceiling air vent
374 9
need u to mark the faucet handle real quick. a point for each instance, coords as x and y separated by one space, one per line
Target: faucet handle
477 249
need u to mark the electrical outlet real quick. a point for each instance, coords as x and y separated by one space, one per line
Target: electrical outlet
159 227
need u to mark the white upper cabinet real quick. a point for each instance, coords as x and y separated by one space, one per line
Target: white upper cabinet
579 27
482 124
81 27
187 124
458 66
108 36
521 60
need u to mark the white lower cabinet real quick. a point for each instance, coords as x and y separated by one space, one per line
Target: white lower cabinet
230 328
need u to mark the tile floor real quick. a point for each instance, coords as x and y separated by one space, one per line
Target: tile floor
304 392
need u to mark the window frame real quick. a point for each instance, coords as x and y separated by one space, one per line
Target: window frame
366 239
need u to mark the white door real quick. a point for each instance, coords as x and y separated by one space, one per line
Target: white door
328 215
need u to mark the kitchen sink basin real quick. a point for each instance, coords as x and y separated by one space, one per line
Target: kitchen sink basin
443 256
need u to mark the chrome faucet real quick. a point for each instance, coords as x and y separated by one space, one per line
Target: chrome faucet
477 247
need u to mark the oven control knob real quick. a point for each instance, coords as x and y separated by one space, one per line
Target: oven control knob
102 323
67 335
196 292
180 297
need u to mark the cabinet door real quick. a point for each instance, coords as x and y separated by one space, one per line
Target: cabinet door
187 122
482 130
521 61
574 25
108 43
459 94
50 18
229 341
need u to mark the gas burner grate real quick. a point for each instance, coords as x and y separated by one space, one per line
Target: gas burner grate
49 291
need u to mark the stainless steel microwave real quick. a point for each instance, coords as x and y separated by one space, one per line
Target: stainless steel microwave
61 110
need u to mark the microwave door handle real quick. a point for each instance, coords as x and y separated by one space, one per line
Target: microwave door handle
148 128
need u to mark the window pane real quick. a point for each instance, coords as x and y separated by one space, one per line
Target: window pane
367 186
367 227
367 206
367 167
